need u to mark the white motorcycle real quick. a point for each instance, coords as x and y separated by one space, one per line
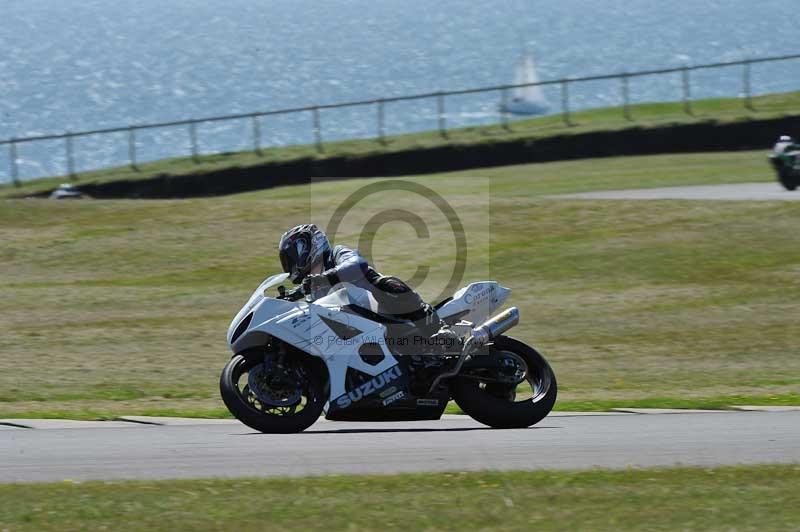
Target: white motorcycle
296 357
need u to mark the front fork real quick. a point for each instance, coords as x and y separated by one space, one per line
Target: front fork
279 367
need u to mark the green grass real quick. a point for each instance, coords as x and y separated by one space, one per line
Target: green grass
121 307
605 119
727 498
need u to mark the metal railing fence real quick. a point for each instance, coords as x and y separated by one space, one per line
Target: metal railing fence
380 104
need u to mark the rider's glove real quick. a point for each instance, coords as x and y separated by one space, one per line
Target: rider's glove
295 294
314 283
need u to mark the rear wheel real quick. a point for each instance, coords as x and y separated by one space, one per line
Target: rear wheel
272 394
519 395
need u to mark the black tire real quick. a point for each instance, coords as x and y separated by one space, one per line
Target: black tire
262 421
498 410
788 178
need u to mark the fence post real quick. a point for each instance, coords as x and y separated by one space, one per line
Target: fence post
440 112
746 89
70 156
504 109
12 157
565 102
132 147
317 129
687 91
381 123
256 134
193 141
626 103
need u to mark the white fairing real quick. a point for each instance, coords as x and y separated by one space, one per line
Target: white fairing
304 326
475 302
256 298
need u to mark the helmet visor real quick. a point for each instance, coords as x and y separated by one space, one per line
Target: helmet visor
294 254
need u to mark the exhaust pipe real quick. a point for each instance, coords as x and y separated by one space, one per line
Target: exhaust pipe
495 326
481 335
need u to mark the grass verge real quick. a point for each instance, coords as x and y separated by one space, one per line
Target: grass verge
605 119
725 498
47 411
120 307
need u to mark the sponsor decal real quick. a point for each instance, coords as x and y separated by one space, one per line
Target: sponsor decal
299 320
373 385
479 293
392 398
427 402
388 391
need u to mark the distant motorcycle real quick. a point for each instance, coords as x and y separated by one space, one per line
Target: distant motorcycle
296 356
785 158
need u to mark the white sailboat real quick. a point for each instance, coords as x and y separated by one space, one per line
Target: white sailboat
526 100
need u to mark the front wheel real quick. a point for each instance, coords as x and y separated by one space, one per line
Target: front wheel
789 178
272 394
521 396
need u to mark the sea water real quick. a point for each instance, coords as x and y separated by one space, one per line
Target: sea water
71 65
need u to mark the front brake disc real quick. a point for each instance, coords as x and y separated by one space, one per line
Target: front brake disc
258 380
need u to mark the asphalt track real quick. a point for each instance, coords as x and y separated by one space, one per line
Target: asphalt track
455 443
738 192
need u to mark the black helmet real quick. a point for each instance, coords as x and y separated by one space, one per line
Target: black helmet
301 248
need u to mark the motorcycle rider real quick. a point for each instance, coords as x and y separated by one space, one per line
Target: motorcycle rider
307 257
784 144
